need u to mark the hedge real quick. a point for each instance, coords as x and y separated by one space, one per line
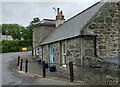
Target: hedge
15 46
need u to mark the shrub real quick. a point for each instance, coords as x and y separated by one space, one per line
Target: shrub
14 46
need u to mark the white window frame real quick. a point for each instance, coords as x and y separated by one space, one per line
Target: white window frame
63 54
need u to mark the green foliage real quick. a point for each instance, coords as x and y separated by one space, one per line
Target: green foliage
25 43
35 20
16 31
15 46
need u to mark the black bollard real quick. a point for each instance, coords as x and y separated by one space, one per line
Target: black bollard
21 64
43 66
71 71
18 60
26 66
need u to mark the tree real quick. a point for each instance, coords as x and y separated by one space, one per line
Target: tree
35 20
16 31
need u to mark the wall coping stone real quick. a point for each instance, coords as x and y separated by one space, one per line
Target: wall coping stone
105 60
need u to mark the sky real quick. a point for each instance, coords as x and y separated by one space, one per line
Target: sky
23 11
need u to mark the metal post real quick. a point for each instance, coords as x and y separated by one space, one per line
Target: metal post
44 72
26 66
21 64
71 71
18 60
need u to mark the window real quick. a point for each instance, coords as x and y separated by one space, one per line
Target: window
63 55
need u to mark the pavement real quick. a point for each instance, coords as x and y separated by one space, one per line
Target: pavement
35 71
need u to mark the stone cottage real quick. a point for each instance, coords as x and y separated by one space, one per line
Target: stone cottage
93 32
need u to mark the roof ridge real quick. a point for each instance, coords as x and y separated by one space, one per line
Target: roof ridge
83 11
49 19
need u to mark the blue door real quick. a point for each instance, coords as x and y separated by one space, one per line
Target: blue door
50 53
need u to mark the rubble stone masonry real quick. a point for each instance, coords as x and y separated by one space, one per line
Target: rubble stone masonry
105 24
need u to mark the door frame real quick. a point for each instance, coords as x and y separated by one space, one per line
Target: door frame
50 53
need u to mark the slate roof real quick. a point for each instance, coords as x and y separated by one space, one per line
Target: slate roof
73 26
45 22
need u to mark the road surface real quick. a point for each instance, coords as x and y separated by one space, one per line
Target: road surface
10 75
9 69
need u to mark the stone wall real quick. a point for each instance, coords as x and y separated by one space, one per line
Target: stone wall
39 33
45 53
98 71
89 46
72 54
56 52
92 70
74 49
105 26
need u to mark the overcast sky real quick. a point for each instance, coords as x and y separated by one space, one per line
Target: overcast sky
22 12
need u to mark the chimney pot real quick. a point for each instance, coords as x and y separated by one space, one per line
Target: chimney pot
58 11
61 13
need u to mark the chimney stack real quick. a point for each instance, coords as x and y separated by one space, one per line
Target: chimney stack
59 17
58 11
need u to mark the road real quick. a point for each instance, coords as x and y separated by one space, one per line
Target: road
10 75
